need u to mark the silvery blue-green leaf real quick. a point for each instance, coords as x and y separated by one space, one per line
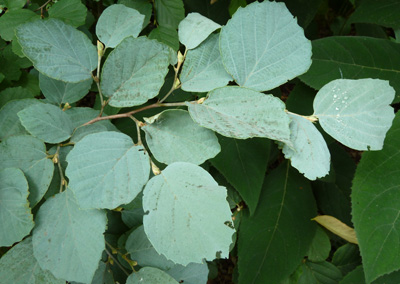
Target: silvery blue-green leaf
106 170
173 136
262 46
118 22
19 266
356 112
141 250
193 273
46 122
68 240
203 70
16 216
134 71
60 92
58 50
188 216
194 29
10 124
309 154
150 275
144 7
243 113
28 154
72 12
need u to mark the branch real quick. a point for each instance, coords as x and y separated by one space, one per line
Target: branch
130 113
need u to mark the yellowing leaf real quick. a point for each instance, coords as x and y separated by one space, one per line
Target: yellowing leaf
337 227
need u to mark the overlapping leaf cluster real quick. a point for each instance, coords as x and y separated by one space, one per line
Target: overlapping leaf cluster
66 171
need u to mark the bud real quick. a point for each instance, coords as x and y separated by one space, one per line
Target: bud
156 171
180 58
200 101
100 48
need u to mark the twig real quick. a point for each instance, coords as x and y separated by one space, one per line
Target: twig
138 125
176 84
117 263
127 114
41 7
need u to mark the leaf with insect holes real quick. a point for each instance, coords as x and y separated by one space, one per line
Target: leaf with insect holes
184 205
226 111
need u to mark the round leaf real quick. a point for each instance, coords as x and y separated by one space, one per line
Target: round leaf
242 113
310 154
28 154
356 112
16 216
51 44
68 240
47 122
262 46
203 70
173 136
134 71
194 29
118 22
187 214
150 275
106 170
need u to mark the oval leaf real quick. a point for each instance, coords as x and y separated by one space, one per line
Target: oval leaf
174 137
242 113
16 216
203 70
46 122
59 92
337 227
70 245
184 205
50 44
150 275
264 54
356 112
28 154
118 22
375 199
194 29
276 238
134 71
310 154
106 170
19 266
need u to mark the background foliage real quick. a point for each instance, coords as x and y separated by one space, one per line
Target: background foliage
176 141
